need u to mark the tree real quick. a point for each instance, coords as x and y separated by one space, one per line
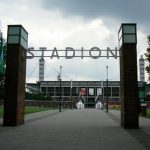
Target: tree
147 55
3 48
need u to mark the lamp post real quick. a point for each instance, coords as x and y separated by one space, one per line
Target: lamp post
107 89
60 101
102 86
71 93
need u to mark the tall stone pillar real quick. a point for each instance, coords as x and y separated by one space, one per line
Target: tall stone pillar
128 76
17 40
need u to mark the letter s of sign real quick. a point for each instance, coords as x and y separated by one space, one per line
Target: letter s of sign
95 49
31 54
70 49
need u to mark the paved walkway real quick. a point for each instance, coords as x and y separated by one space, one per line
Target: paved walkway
88 129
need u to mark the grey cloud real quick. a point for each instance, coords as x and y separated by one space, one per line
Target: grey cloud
127 10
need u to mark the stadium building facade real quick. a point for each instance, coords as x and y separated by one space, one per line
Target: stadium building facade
90 91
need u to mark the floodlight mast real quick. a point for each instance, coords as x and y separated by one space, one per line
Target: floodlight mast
107 89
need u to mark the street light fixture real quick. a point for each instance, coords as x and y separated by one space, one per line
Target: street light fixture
17 35
127 34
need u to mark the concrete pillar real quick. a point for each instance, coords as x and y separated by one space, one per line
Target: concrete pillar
15 76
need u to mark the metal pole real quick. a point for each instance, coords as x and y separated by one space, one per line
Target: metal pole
60 102
71 94
107 89
102 88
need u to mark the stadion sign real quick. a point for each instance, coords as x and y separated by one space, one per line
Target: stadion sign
69 53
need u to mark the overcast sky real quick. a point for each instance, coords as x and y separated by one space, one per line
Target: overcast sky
76 23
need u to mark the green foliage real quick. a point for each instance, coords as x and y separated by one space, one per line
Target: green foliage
4 50
147 55
3 61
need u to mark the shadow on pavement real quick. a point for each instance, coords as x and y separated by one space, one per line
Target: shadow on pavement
34 118
40 117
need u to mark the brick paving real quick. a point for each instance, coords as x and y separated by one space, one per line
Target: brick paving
86 129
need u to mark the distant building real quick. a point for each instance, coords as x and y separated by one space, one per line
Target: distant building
87 90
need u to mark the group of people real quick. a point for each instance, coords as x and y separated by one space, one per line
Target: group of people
99 105
80 105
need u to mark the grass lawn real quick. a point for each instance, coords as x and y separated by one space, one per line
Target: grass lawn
148 113
1 111
28 110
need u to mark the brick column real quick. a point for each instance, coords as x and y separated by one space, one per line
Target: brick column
129 86
15 77
14 86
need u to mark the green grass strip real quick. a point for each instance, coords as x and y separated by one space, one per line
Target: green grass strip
32 109
29 110
1 111
148 113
